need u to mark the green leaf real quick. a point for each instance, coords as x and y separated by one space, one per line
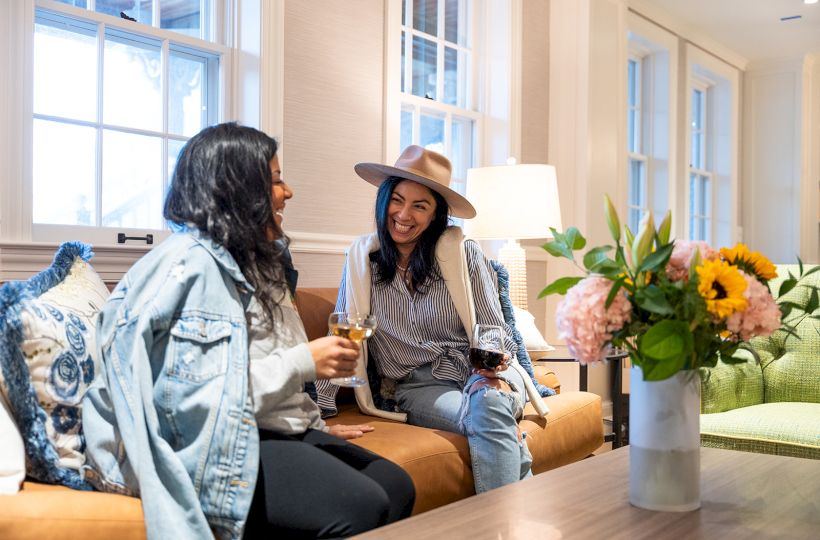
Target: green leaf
653 300
558 249
800 265
814 302
656 260
575 240
612 292
810 271
669 343
608 268
596 256
786 286
560 286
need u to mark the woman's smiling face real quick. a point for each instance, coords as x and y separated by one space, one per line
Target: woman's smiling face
411 210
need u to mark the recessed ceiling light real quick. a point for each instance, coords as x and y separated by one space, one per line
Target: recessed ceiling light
810 1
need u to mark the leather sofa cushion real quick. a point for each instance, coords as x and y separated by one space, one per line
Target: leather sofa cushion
43 512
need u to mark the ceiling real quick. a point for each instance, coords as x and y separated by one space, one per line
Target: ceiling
751 28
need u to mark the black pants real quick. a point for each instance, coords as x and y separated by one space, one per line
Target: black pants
315 485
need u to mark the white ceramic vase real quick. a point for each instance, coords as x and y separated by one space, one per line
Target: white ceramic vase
664 442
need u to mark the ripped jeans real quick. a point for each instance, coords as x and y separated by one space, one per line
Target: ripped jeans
487 417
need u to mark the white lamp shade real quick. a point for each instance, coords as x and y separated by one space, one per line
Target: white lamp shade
513 201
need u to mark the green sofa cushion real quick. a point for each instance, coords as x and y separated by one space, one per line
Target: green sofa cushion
730 386
786 429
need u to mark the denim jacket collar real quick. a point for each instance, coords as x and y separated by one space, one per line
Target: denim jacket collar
219 253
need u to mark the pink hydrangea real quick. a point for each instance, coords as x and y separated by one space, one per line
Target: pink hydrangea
761 318
583 321
678 267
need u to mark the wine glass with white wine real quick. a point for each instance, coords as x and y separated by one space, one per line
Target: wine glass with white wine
355 327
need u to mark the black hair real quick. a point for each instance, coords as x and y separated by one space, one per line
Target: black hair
422 266
222 185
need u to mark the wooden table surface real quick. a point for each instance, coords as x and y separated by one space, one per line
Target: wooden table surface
743 495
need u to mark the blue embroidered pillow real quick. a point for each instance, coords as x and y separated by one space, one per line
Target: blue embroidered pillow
509 318
48 360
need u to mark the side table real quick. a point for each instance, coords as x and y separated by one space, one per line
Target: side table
620 401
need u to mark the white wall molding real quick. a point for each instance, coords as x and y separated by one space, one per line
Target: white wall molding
308 242
21 260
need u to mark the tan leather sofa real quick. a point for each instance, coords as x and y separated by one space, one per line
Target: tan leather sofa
438 461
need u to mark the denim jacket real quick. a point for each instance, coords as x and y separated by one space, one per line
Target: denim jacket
170 417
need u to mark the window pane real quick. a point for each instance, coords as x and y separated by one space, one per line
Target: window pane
697 158
77 3
697 107
632 74
424 68
462 142
186 94
174 148
631 139
705 202
64 179
132 84
140 10
432 132
65 71
425 16
403 59
455 21
406 138
132 183
181 16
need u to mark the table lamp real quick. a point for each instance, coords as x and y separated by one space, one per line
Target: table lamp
513 202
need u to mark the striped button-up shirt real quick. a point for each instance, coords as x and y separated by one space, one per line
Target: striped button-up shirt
415 329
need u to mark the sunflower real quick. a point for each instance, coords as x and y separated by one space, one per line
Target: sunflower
751 262
722 286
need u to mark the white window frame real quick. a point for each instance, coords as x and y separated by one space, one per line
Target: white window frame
722 150
251 89
496 80
98 234
700 175
418 105
636 155
657 50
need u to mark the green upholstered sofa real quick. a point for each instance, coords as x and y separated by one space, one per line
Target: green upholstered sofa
771 403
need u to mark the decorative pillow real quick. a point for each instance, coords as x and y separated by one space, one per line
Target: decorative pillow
47 342
509 318
12 453
525 324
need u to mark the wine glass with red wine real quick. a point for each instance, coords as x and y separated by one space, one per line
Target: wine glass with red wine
487 346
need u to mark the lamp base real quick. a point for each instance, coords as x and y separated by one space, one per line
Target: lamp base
514 259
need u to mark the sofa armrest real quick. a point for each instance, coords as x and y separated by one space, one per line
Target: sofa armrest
547 377
731 386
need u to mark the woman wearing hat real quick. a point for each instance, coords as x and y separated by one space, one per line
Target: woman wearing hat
427 287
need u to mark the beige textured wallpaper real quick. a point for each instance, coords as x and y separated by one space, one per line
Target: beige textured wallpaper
333 112
535 82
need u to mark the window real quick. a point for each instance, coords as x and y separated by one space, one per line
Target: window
651 127
438 103
114 100
700 179
637 203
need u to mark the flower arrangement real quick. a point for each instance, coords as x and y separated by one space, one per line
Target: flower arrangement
672 304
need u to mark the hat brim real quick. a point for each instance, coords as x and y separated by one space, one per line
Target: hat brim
376 173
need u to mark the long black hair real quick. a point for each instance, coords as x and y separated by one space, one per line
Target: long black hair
222 185
422 266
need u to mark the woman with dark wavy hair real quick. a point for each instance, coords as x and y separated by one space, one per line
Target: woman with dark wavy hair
201 410
428 286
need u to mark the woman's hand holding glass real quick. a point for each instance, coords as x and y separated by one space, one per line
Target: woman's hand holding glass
357 328
334 356
487 353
